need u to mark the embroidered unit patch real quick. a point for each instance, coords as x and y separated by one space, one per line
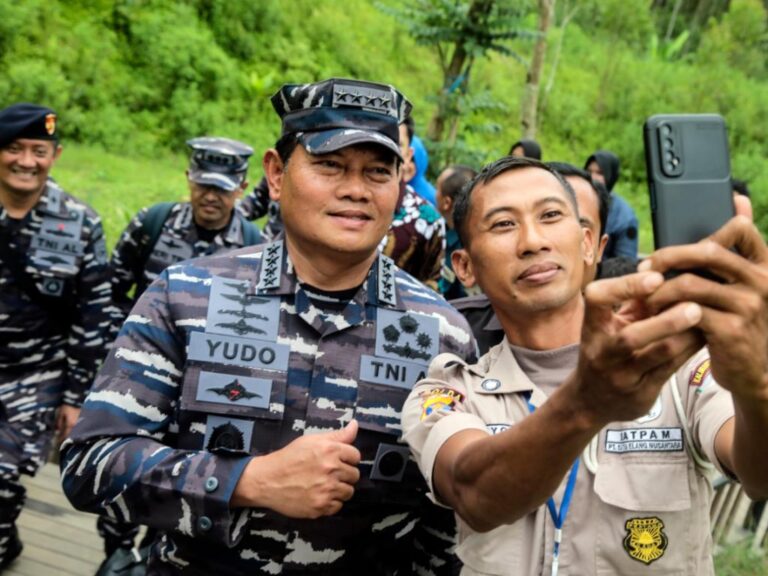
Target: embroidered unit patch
701 372
645 540
439 400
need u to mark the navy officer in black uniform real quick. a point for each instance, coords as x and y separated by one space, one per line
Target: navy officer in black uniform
54 305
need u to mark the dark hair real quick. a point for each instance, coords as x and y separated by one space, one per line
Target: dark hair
603 196
490 172
740 187
616 266
410 127
459 177
531 148
285 146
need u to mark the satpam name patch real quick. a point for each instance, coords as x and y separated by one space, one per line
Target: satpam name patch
644 440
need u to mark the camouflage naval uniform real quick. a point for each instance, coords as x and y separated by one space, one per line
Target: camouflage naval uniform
179 240
416 238
54 323
227 357
256 204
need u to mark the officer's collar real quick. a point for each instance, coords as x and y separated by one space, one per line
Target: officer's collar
501 374
278 277
52 201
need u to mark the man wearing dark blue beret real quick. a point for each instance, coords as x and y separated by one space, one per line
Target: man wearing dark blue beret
249 409
54 305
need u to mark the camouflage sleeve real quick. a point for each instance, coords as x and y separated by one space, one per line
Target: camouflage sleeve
126 263
256 203
92 320
119 459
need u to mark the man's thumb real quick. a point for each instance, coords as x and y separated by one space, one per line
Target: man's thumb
347 434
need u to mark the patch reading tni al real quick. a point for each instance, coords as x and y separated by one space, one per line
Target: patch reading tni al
645 540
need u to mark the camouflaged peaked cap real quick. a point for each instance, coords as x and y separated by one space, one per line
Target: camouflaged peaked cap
27 121
219 162
333 114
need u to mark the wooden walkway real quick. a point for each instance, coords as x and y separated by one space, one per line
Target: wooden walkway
58 540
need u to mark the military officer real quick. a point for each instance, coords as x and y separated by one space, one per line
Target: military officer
167 233
54 304
250 407
170 232
582 444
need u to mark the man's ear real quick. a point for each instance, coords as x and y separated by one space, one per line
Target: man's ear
409 166
462 266
274 170
588 245
241 189
57 152
446 206
601 247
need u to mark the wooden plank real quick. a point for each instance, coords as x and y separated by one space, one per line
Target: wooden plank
760 531
38 525
71 544
57 538
27 566
56 563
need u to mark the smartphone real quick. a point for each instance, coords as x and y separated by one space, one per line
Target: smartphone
689 176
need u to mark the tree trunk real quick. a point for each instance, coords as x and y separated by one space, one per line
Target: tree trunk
570 14
672 20
531 97
477 11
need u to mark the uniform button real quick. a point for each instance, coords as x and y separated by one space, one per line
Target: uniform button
211 484
204 523
490 385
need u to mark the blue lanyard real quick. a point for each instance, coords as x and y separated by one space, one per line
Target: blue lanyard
558 516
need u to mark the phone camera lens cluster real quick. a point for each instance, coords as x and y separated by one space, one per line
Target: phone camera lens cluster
672 164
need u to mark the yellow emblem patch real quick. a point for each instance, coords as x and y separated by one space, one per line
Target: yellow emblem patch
439 400
702 370
50 124
645 541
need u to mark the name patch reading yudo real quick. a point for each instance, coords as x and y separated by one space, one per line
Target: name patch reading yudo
218 349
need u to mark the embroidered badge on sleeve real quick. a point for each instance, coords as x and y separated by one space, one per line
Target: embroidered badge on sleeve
439 400
702 376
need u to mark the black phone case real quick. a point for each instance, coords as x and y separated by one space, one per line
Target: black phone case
689 176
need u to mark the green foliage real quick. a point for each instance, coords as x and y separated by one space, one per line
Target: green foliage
138 77
661 50
739 560
437 23
739 40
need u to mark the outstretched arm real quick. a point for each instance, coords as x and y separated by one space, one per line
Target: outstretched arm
625 358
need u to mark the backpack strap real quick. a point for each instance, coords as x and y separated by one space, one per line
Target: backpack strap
251 233
152 226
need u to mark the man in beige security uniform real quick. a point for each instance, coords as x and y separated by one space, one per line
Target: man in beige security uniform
581 444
